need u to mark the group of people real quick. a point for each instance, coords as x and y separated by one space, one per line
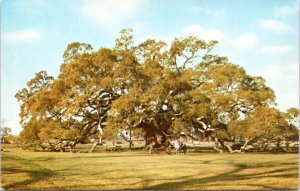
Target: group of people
179 145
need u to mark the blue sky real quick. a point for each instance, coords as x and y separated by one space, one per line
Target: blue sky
261 36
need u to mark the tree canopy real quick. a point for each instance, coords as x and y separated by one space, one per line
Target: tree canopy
153 88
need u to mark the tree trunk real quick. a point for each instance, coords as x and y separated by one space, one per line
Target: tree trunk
96 144
244 146
130 142
287 144
151 147
278 144
233 151
62 149
72 145
94 147
216 146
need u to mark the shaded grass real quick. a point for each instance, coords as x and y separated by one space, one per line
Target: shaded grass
138 170
22 172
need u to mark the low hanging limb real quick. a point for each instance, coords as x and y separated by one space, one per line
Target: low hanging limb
216 146
100 130
129 141
191 136
157 127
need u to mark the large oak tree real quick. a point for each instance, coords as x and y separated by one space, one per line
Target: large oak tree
152 89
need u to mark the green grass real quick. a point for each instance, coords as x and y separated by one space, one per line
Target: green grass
138 170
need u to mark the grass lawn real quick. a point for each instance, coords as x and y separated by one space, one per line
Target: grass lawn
139 170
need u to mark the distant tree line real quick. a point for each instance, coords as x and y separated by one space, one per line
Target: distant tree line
157 90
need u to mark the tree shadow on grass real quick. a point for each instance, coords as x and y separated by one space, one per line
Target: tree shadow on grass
91 156
35 176
36 173
217 180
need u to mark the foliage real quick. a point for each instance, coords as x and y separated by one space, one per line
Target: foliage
6 136
5 131
150 88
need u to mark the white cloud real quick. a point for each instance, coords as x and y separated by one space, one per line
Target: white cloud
277 49
284 79
281 71
208 11
244 41
110 12
274 25
22 36
286 11
202 33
